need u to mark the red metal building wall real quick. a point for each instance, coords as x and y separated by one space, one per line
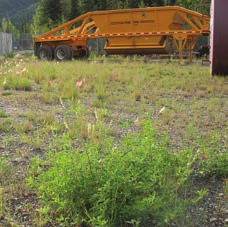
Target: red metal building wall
219 37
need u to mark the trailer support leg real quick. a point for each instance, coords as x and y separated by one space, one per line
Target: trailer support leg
191 43
180 42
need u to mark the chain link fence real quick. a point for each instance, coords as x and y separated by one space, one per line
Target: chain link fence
9 43
96 46
23 42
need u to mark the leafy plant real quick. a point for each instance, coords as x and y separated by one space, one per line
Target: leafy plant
109 187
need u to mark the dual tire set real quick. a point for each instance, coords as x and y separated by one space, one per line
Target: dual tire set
60 53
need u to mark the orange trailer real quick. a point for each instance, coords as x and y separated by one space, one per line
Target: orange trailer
152 30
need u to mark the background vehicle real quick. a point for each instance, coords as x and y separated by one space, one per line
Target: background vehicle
153 30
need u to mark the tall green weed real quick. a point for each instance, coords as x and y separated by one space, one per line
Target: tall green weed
136 182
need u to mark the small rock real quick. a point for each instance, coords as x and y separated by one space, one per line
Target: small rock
213 219
226 220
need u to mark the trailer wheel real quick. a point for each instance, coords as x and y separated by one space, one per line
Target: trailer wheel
45 53
86 53
71 53
63 53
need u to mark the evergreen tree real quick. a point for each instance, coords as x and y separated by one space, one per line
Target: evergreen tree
87 5
48 14
8 27
53 10
24 25
102 4
133 3
75 9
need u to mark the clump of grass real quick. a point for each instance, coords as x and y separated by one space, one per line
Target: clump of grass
47 118
69 92
17 83
137 96
5 125
34 72
214 161
49 98
100 92
110 187
4 167
24 127
9 54
7 92
3 114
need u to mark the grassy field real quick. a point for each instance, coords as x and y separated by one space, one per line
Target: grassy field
112 142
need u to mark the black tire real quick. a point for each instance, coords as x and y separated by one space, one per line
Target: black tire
86 53
83 54
63 53
71 54
45 53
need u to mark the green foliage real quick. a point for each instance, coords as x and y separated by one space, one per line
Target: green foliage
196 5
5 125
8 27
102 5
3 114
7 92
24 26
133 3
49 13
75 10
4 169
10 54
111 186
17 83
214 161
87 5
